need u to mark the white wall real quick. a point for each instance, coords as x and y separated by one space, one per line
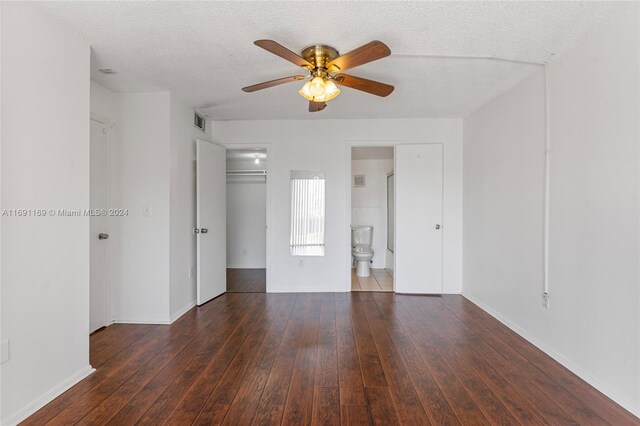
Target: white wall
183 207
369 204
246 222
45 165
141 176
246 216
153 163
324 145
593 324
103 102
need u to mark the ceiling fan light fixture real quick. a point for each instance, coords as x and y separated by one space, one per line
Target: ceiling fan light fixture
330 90
310 88
305 92
317 87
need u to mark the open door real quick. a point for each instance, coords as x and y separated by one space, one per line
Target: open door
211 220
418 244
100 265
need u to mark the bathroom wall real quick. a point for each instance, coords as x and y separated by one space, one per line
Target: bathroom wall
369 203
390 255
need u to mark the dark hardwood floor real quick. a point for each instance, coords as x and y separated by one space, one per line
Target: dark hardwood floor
350 358
246 280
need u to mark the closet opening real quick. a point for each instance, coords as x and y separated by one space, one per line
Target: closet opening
246 220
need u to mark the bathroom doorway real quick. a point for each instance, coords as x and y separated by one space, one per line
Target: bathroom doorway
372 218
246 220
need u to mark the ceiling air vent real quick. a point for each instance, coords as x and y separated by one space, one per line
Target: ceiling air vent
199 121
358 181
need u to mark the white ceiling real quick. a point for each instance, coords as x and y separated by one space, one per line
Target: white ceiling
372 153
204 52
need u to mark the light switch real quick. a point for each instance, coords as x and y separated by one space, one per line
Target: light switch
147 210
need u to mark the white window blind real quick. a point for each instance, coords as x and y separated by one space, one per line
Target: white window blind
307 213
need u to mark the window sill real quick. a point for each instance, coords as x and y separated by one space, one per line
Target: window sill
307 251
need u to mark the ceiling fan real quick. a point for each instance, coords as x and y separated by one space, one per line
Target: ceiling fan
325 66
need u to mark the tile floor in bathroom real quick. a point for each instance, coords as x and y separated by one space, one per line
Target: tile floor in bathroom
379 280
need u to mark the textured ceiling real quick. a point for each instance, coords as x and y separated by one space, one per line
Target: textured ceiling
204 52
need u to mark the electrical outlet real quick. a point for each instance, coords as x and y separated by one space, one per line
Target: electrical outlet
4 351
545 300
190 271
300 263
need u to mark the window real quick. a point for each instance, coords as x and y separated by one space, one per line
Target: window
307 213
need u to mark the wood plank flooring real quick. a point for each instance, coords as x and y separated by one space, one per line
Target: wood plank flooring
331 358
246 280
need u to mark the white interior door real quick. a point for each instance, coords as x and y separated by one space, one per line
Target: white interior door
418 245
100 268
211 220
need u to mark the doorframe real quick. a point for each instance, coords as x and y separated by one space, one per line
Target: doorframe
269 190
356 143
109 124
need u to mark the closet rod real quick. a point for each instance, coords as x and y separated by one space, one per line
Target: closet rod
246 173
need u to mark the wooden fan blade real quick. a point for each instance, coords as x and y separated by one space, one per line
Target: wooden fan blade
316 106
369 86
362 55
272 83
283 52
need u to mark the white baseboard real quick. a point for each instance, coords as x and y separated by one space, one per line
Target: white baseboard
47 397
130 320
624 402
182 311
308 290
246 267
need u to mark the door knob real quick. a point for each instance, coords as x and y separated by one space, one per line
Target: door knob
204 230
103 236
438 226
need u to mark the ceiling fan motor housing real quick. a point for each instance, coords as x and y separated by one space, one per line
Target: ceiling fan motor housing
320 55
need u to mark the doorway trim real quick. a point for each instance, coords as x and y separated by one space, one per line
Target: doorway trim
364 143
269 248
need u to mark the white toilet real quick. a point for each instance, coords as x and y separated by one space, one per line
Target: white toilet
361 248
